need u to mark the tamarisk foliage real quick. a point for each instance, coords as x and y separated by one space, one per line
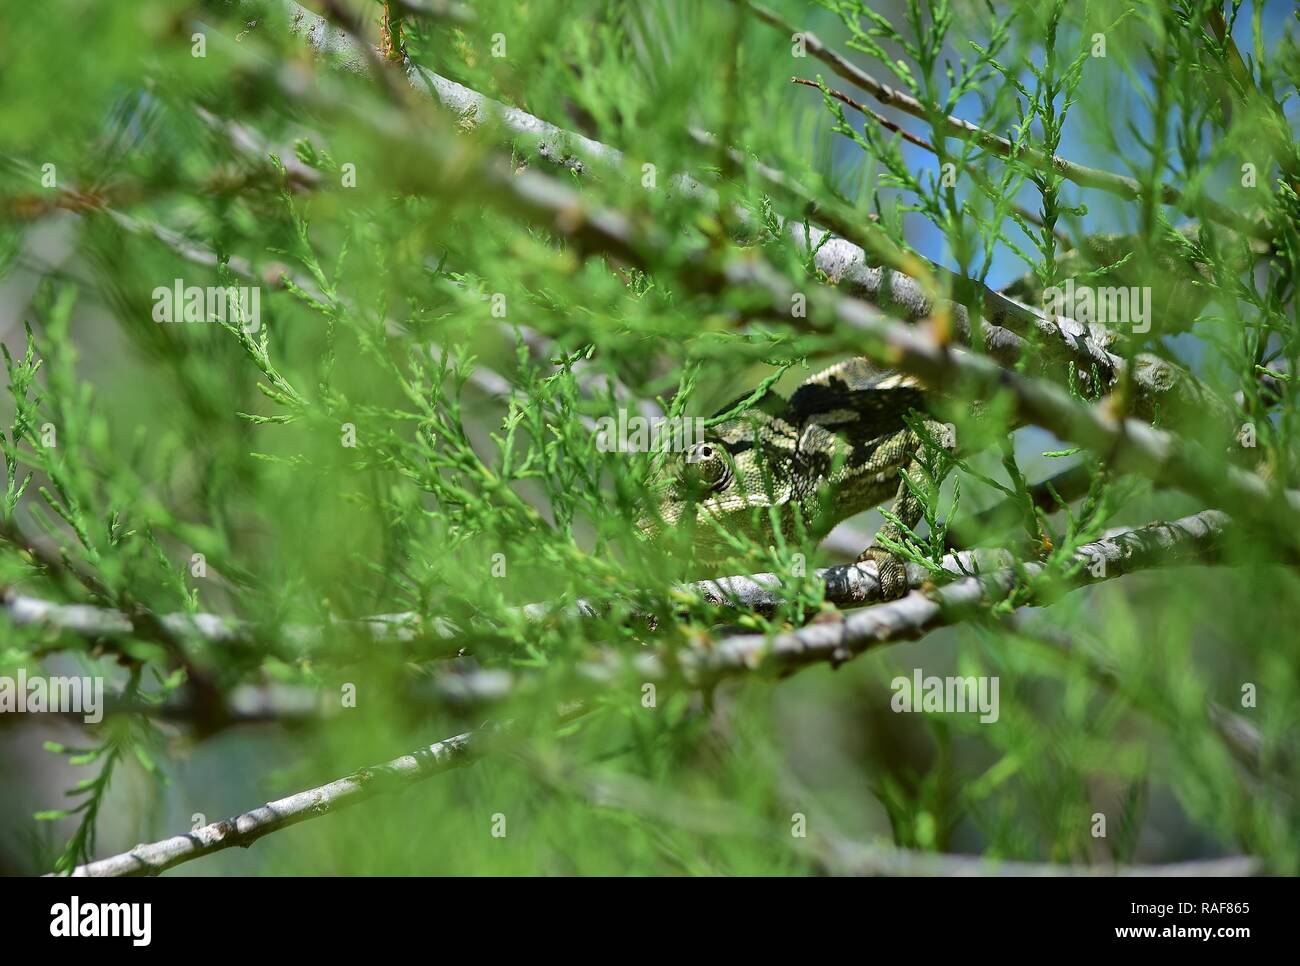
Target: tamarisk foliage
315 322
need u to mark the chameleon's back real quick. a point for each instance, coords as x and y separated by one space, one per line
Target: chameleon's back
853 438
856 400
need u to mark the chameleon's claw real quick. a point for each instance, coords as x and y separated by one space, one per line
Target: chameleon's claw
891 570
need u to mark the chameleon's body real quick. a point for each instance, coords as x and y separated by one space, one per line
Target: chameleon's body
835 449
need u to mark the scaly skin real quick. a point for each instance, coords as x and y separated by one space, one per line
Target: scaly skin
833 450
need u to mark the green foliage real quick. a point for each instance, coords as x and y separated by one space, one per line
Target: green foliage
407 427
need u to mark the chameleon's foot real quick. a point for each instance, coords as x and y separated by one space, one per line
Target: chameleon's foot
893 574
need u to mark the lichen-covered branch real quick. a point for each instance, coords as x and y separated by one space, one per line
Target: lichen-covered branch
1196 537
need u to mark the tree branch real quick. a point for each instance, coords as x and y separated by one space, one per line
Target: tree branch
245 829
955 127
1158 384
633 795
1195 537
831 852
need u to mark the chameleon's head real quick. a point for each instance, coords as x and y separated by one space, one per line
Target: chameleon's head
834 449
726 482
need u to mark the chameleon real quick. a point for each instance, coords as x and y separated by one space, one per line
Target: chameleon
834 449
838 446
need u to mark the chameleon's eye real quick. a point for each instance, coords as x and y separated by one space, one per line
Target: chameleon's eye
707 464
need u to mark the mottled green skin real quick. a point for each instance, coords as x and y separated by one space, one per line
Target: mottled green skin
833 450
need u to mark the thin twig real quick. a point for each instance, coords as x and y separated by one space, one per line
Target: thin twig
245 829
925 145
1082 175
